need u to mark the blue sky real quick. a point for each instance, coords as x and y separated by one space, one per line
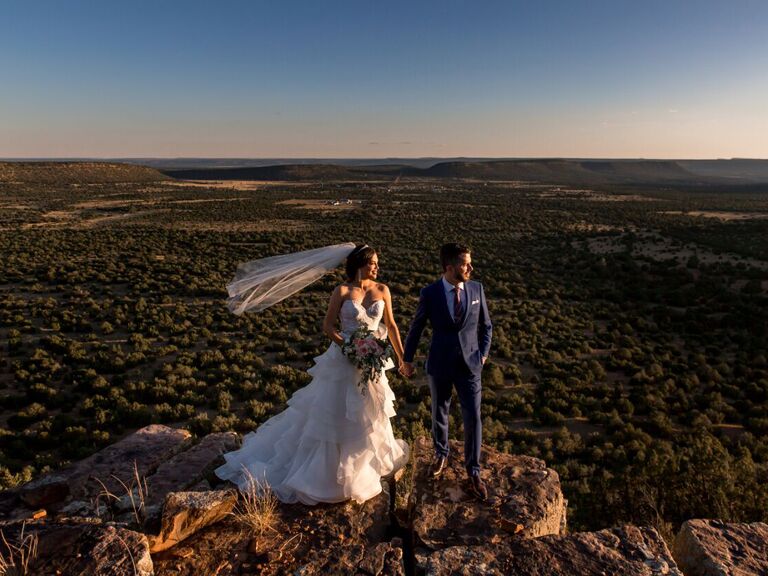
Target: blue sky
652 79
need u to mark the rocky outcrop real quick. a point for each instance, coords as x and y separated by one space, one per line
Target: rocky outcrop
520 529
138 481
344 538
525 499
163 505
714 548
188 468
185 513
87 549
135 457
627 551
91 487
45 491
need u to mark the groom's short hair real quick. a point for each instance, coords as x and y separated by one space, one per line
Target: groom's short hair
450 254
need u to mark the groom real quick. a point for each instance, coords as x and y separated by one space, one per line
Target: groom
461 340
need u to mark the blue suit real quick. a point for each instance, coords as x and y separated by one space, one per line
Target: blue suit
455 360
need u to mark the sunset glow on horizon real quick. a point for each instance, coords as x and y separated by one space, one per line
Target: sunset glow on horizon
371 80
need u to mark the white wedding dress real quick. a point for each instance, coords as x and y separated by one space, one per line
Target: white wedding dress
331 443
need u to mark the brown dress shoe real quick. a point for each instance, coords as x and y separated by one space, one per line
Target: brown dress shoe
437 467
478 488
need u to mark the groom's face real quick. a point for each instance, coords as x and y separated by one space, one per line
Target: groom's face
462 270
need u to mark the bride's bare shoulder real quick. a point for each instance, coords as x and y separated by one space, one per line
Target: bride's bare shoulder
340 290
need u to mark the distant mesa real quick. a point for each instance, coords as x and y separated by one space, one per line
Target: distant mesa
568 171
558 171
290 172
76 173
550 171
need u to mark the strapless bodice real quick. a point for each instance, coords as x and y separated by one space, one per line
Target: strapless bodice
354 315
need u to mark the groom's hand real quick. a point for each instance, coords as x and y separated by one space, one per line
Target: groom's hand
407 369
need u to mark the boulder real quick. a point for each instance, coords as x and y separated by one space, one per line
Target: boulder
384 559
155 453
97 481
525 499
117 465
715 548
45 491
85 549
628 551
189 467
338 538
185 513
344 538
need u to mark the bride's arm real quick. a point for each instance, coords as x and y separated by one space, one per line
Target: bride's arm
329 324
389 321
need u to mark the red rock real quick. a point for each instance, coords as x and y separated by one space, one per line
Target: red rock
185 513
44 491
113 466
83 549
525 499
344 538
715 548
189 467
627 551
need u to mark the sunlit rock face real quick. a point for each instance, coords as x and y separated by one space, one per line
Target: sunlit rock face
715 548
628 551
150 505
525 499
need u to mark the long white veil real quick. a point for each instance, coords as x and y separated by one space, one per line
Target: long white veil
262 283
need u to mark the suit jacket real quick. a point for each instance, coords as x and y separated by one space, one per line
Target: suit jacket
471 337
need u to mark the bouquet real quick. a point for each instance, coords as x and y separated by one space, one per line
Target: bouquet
368 353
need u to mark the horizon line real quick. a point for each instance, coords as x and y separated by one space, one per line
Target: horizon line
263 158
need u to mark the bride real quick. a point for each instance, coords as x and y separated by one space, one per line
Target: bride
332 443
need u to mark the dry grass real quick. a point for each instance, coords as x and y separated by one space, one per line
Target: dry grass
257 508
16 560
136 491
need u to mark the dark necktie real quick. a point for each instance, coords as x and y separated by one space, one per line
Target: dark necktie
457 311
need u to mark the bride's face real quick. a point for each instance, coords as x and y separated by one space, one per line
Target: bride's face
370 270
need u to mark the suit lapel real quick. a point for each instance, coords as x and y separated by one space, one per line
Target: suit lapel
440 293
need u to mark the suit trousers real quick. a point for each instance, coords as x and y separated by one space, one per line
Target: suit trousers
468 388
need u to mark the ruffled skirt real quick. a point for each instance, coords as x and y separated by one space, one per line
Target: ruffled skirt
331 444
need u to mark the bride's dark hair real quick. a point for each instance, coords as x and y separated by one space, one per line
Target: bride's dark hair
359 257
